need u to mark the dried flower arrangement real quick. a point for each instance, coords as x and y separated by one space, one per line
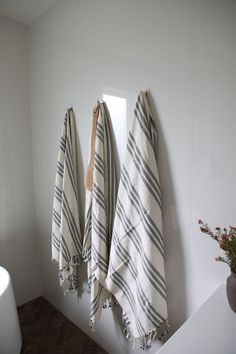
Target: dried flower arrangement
226 239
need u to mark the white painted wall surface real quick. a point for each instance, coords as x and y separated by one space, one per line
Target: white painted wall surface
18 248
184 52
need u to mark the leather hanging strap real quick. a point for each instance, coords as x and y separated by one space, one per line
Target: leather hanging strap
88 180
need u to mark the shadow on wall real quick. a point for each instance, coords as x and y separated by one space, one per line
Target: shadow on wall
174 260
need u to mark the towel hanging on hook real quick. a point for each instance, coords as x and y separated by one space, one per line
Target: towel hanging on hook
100 209
136 273
66 233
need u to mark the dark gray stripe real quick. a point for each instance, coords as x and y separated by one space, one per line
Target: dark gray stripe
99 228
97 193
153 238
99 201
148 310
142 125
58 193
74 231
88 220
62 148
100 130
59 173
64 249
60 170
99 160
102 259
57 245
122 284
154 312
73 223
150 175
100 136
125 255
71 175
155 322
56 242
136 239
56 218
95 303
103 266
97 167
132 194
63 141
143 175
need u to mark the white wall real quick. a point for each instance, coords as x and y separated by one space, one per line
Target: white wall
18 250
184 52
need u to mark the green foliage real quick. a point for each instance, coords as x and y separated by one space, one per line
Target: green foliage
226 239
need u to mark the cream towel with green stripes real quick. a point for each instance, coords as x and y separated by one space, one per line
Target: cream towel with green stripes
66 233
136 275
100 208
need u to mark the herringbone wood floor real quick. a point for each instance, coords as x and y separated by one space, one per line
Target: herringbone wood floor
45 330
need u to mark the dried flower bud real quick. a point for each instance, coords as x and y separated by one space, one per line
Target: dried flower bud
223 245
203 229
224 237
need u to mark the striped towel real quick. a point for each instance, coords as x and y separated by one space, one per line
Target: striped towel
66 234
100 208
136 275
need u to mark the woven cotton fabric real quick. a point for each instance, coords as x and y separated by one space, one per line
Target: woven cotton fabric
136 275
100 209
66 234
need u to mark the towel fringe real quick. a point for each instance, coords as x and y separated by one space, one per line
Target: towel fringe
68 276
144 342
85 254
111 302
92 325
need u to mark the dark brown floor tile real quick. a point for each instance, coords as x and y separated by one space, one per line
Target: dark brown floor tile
47 331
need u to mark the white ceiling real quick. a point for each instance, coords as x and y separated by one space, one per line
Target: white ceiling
25 11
